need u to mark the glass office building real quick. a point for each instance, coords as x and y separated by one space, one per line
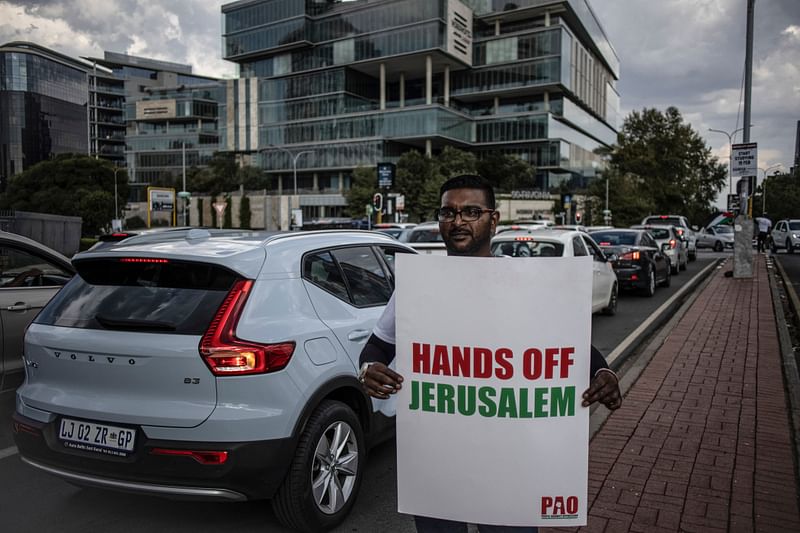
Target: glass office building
167 111
351 83
44 99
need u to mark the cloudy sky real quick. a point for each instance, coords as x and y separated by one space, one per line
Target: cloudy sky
684 53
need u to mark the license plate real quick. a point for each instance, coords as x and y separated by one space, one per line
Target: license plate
93 437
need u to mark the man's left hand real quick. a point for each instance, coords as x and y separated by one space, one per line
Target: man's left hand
604 388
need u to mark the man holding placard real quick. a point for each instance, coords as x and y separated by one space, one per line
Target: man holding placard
488 425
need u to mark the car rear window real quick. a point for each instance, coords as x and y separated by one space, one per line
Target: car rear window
159 297
425 235
528 249
673 221
659 233
615 238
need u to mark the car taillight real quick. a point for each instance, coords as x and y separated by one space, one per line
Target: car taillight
525 239
673 243
227 355
630 256
204 457
142 260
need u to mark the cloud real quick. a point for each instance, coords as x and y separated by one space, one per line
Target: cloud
182 32
683 53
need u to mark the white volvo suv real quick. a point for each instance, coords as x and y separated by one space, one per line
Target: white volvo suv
212 365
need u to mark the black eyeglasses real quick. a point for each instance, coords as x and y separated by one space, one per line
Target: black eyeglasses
471 213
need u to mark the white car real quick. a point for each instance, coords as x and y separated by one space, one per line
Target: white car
564 243
682 226
786 235
716 237
216 365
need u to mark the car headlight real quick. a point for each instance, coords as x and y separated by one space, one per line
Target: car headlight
794 236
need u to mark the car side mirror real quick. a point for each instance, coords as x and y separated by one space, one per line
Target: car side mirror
611 257
695 228
665 247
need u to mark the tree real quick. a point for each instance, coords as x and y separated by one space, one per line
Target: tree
72 185
506 172
363 184
627 205
244 213
782 197
676 171
418 179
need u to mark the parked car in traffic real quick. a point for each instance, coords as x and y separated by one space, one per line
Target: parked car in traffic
393 229
785 235
718 238
636 257
525 225
424 238
30 275
214 365
682 227
111 239
674 246
564 243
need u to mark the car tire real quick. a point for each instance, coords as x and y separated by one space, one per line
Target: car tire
684 265
718 246
297 504
674 268
693 255
611 308
789 247
650 289
773 248
668 279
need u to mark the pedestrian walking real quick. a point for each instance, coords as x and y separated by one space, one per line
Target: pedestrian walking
467 222
764 227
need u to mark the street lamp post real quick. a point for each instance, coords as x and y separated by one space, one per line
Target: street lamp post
116 200
730 153
764 187
294 158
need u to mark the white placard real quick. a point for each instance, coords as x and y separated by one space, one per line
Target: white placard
744 159
514 336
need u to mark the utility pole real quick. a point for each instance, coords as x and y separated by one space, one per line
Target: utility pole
183 158
743 225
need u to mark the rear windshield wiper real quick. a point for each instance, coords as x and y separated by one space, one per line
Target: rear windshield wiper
130 324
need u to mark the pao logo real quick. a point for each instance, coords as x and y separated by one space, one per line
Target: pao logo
559 507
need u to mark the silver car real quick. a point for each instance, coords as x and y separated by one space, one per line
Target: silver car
786 235
717 238
674 246
30 275
213 365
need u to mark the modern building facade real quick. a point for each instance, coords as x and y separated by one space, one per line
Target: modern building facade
44 98
326 86
169 115
106 115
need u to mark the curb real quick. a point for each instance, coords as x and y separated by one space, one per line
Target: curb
632 342
791 377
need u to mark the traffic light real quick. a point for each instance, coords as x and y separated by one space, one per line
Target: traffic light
377 201
578 217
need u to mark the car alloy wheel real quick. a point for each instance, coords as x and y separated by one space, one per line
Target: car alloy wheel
320 487
718 246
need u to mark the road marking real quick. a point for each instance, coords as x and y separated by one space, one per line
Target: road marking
8 452
630 339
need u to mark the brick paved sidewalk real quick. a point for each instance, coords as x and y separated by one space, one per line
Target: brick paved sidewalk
702 441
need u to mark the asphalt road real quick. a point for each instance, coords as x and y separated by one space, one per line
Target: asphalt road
32 501
791 264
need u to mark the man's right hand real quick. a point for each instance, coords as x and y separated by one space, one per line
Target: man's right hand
381 381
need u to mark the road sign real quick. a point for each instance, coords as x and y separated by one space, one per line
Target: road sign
733 202
219 207
744 159
386 175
